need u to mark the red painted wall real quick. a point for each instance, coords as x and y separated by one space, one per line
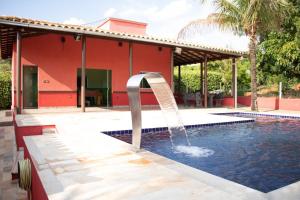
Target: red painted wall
228 102
147 98
146 58
58 62
268 102
53 99
273 103
37 190
125 26
20 132
244 100
289 104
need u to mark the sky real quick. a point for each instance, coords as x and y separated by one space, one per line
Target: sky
165 18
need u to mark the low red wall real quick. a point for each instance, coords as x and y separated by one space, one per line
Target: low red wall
37 190
246 101
53 99
20 132
268 102
273 103
289 104
228 101
121 98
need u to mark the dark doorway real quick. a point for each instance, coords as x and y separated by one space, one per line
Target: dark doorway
97 87
30 86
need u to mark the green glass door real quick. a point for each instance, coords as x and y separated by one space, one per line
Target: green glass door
97 87
30 89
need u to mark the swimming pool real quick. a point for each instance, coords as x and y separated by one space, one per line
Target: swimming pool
263 155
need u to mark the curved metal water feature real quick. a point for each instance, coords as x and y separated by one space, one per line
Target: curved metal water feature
167 104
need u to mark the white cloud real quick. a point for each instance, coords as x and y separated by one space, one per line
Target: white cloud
173 10
164 21
110 12
167 20
216 37
153 13
74 21
222 39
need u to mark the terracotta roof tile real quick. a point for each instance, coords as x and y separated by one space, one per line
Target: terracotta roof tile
40 24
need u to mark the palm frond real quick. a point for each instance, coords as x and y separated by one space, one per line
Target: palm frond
227 18
194 26
227 7
247 16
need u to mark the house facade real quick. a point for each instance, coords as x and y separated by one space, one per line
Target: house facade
54 60
49 59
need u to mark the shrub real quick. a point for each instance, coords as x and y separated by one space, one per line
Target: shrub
219 76
5 84
190 81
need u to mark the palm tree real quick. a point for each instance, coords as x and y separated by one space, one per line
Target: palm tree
249 17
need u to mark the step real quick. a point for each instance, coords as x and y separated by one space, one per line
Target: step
6 118
14 170
47 131
8 113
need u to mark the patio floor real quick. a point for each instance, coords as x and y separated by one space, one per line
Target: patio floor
93 151
112 120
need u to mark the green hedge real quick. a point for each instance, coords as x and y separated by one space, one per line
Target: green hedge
190 81
5 90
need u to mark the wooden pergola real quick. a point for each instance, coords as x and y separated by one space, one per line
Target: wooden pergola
186 56
13 29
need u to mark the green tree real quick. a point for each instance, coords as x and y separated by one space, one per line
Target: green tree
219 76
5 84
278 54
249 17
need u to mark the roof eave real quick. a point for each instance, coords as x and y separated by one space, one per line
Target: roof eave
122 36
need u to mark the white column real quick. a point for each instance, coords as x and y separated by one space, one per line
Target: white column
18 73
83 63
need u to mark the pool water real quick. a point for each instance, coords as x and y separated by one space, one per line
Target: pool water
263 155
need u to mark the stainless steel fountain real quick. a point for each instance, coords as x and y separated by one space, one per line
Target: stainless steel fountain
167 104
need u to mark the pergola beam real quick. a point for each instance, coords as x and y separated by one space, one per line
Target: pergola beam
198 54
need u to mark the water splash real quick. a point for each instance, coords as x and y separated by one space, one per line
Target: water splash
169 108
193 151
164 95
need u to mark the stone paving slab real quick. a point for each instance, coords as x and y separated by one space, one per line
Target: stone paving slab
83 163
9 189
96 166
121 120
5 118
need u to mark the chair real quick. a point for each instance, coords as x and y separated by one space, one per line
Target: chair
187 97
198 99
